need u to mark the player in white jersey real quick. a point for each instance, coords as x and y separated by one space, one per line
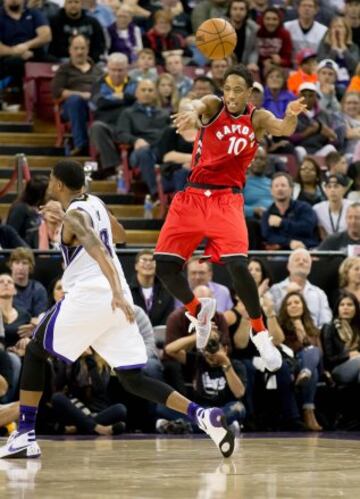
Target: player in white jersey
97 311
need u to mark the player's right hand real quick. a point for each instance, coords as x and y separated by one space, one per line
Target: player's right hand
118 301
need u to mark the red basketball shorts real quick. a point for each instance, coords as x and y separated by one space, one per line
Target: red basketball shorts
195 214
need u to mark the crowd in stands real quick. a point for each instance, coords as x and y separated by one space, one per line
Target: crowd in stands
123 68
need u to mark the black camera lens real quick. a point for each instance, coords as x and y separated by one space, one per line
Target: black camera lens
212 346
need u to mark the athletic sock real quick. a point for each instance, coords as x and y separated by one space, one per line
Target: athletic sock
257 324
27 418
192 410
193 306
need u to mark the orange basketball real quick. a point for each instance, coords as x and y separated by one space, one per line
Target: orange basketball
216 38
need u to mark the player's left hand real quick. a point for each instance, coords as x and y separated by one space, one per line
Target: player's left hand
185 120
296 107
118 301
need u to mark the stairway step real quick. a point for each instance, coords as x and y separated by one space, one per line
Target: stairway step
18 116
142 223
142 236
26 139
38 161
32 150
108 186
14 127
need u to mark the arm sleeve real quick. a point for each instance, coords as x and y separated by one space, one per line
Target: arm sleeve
39 18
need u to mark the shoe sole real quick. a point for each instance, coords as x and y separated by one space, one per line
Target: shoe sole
21 455
227 444
212 313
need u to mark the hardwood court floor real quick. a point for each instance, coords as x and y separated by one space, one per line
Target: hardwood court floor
186 468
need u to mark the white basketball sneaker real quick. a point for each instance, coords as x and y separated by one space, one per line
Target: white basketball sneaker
202 322
268 352
212 421
21 445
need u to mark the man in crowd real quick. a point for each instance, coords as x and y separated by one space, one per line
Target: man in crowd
299 267
31 295
148 292
24 33
141 126
349 239
73 20
175 66
288 223
112 93
72 86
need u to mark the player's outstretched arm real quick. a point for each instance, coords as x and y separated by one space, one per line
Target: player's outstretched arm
77 228
265 122
207 107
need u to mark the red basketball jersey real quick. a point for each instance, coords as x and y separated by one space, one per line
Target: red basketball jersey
224 149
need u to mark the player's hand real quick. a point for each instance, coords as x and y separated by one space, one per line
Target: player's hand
296 107
118 301
185 120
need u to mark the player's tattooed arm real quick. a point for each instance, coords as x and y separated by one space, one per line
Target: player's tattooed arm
77 229
265 122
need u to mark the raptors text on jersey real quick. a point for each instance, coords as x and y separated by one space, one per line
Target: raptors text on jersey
224 149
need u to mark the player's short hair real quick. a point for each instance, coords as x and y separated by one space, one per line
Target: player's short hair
21 253
240 70
70 173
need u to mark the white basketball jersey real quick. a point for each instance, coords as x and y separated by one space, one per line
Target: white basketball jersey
80 267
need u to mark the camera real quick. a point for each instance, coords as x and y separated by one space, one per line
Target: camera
212 346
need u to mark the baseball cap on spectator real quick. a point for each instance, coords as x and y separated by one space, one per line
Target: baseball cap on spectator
337 178
305 54
328 63
307 85
258 86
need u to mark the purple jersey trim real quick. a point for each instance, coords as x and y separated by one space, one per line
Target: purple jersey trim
49 335
133 366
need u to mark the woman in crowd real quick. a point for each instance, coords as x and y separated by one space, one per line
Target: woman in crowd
341 340
167 93
303 339
276 97
349 276
274 42
246 30
337 45
307 186
24 215
13 317
244 350
55 291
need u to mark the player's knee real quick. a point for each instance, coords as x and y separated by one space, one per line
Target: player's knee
129 378
36 351
166 268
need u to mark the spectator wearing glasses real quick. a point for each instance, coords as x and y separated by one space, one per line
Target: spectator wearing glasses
148 292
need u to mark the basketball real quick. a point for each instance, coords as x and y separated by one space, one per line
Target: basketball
216 38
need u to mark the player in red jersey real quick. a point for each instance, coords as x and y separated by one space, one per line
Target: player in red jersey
212 204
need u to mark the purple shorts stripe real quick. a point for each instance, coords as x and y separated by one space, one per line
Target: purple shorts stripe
49 335
134 366
46 316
